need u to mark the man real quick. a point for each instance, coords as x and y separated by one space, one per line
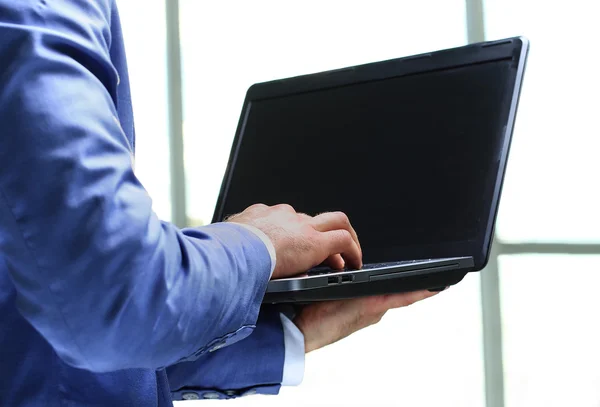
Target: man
101 303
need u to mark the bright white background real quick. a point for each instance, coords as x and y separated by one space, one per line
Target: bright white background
228 46
551 325
550 304
552 188
429 354
144 30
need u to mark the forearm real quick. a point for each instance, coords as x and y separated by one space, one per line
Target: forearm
106 282
254 365
272 356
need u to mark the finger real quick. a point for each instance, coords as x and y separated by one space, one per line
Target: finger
341 242
335 220
335 261
406 299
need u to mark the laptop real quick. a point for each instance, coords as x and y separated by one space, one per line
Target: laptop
413 150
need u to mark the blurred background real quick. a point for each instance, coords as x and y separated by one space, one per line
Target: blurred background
525 331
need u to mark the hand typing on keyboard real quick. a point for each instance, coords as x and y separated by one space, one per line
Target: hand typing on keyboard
325 323
302 241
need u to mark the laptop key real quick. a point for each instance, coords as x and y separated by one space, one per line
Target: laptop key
326 270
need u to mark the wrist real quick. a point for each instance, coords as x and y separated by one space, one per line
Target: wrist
266 241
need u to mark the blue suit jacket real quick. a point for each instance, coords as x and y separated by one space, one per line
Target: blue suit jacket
101 303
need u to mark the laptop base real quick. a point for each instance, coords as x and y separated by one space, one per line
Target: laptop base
401 283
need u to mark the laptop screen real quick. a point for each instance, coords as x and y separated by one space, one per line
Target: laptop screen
412 160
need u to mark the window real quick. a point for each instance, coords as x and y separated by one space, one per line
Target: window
225 51
144 36
551 191
550 308
396 362
551 202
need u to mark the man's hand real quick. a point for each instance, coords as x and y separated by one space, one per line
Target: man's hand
327 322
302 242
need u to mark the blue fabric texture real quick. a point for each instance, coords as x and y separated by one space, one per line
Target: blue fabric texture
97 295
266 342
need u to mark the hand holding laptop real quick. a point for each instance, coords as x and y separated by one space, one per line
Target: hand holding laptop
327 322
302 242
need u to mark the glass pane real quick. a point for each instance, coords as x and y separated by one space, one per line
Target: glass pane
550 330
145 41
225 51
552 189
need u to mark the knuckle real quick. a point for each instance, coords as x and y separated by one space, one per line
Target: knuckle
345 236
375 313
257 206
343 218
377 318
284 207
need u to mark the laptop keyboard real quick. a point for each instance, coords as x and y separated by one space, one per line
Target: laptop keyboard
327 270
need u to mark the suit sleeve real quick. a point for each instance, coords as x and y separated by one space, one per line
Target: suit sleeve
106 282
252 366
273 356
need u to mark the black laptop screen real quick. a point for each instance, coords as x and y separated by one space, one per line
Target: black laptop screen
412 160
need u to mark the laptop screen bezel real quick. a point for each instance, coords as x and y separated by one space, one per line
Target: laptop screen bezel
514 49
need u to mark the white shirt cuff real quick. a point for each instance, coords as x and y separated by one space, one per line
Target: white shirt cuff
293 365
265 239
